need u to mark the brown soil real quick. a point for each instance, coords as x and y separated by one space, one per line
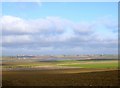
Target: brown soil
60 78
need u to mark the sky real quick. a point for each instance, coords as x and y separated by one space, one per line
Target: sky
54 28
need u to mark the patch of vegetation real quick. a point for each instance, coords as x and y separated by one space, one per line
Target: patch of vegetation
94 65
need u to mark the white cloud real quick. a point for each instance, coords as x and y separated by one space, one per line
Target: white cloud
15 25
39 3
109 22
54 33
16 39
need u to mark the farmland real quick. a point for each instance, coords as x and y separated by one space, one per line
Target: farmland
57 72
54 78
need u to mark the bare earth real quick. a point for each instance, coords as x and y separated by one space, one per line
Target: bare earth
61 77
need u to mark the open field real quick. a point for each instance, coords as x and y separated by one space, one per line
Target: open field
109 64
65 72
57 78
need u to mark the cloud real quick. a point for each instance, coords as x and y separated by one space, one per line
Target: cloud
16 39
109 23
39 3
13 25
54 35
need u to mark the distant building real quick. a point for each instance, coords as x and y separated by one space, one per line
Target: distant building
24 56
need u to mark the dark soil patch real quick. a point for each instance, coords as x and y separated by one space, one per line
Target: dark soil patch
37 78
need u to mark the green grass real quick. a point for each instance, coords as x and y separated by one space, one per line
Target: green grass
64 63
94 65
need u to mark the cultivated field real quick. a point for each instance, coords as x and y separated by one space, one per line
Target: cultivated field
102 71
56 78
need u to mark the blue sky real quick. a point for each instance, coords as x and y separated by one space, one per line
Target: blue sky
74 11
59 28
